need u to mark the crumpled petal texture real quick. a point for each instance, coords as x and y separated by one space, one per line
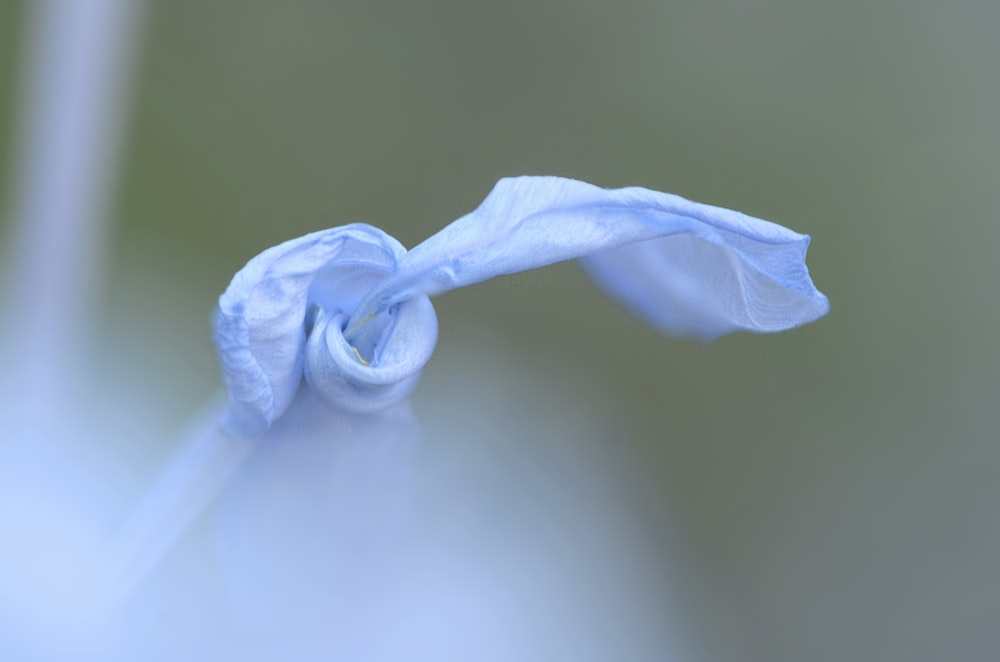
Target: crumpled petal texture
348 309
531 222
263 319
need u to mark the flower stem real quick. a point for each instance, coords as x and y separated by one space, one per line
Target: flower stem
177 497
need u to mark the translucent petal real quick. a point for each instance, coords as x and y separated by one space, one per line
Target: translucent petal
685 285
751 274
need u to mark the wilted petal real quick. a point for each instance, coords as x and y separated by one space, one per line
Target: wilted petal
348 307
689 286
342 375
733 272
260 325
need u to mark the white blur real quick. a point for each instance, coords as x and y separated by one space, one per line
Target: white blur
499 527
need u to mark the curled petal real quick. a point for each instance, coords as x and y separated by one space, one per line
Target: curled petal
688 286
260 325
348 307
530 222
346 381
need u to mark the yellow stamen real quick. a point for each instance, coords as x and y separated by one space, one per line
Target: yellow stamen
358 356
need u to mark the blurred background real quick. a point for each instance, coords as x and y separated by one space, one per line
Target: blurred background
835 484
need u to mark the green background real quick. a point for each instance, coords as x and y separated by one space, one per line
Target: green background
838 482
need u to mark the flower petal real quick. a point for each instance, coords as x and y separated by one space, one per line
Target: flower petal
346 383
260 325
688 286
733 271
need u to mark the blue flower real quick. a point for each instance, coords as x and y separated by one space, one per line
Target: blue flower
348 309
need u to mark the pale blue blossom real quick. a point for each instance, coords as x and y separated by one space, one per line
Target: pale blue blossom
329 538
326 525
348 308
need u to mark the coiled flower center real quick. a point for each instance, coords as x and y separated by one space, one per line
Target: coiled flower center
382 371
284 315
